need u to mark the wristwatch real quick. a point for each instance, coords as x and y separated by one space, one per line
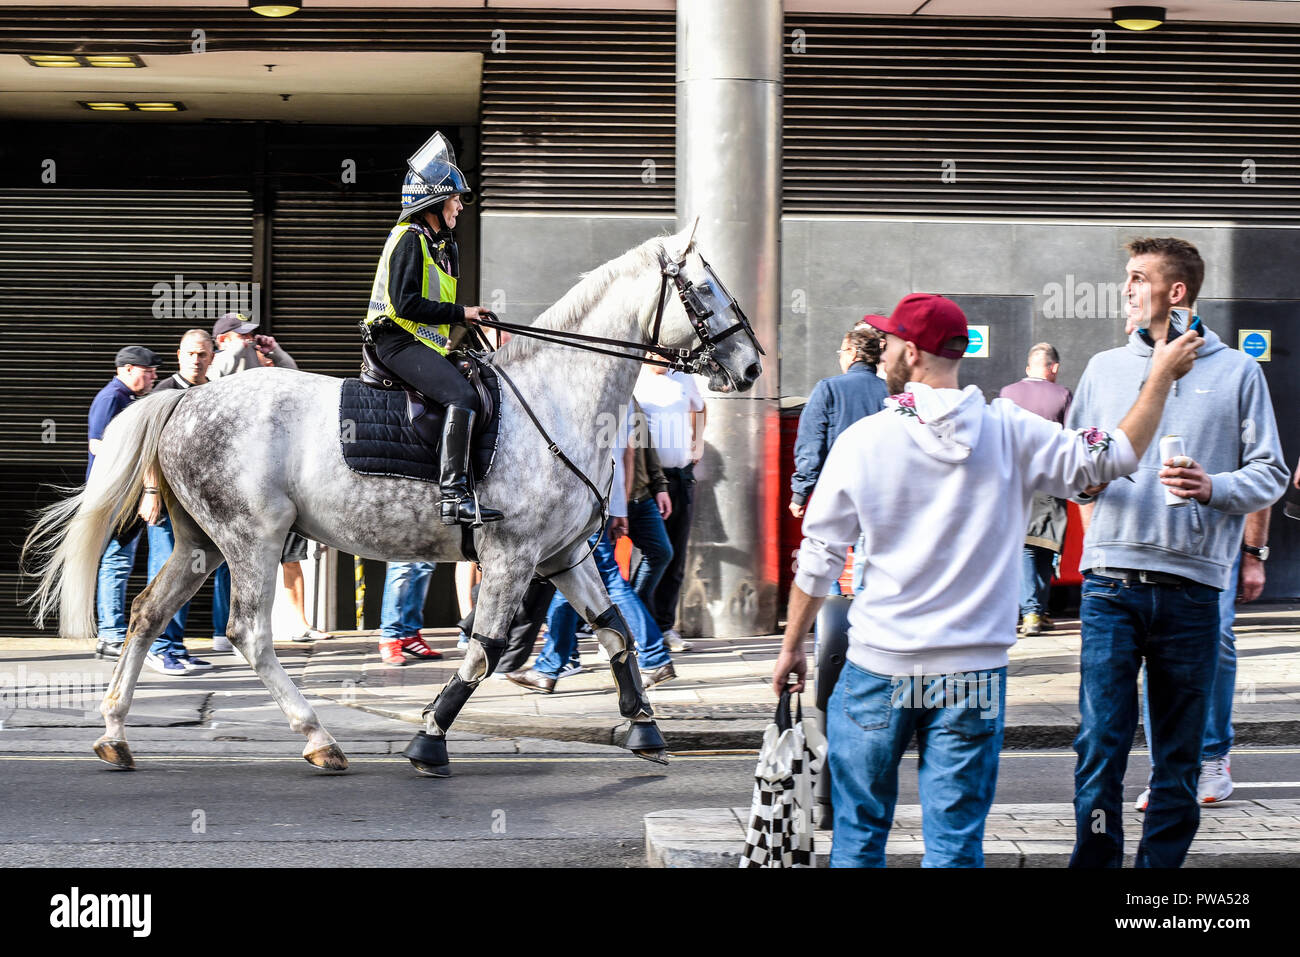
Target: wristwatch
1260 551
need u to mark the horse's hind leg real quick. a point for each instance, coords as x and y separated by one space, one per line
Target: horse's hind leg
175 584
253 571
583 587
499 597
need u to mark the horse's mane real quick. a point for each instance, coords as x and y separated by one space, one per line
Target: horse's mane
579 300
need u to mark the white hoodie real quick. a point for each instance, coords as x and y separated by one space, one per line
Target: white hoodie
940 485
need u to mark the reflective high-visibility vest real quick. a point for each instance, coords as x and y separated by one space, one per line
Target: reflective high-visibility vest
437 338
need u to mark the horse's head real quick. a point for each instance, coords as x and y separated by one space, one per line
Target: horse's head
701 316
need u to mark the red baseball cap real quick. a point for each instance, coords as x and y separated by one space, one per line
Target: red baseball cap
929 321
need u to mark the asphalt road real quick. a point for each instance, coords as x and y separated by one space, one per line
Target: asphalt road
187 808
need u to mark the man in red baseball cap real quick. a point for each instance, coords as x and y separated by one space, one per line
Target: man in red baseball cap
922 328
938 485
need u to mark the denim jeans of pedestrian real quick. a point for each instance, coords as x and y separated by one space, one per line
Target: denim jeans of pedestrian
562 621
161 543
645 526
406 585
681 492
1175 628
1218 715
1035 579
110 588
957 720
220 600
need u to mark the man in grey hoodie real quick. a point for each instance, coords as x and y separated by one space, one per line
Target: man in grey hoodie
1153 571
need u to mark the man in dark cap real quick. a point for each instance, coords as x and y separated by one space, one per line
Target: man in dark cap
239 347
137 368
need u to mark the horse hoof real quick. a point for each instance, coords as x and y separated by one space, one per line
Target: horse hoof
431 770
658 755
643 738
330 757
116 753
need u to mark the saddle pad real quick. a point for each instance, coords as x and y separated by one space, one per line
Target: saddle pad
377 439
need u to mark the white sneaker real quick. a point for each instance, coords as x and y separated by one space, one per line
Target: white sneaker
221 643
675 642
1143 799
1216 781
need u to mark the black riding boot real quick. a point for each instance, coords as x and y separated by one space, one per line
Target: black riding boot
458 501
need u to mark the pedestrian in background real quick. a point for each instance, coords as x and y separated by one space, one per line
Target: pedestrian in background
1157 555
242 348
835 404
675 411
406 586
137 368
1045 537
648 507
193 357
929 633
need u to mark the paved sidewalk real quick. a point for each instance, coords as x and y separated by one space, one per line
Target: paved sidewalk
1262 833
721 698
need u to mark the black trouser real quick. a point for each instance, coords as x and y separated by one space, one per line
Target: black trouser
681 492
421 367
524 626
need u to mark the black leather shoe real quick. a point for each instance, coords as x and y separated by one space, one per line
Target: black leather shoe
108 649
533 680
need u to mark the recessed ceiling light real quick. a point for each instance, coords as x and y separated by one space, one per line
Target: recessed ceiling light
142 106
1138 18
106 60
282 9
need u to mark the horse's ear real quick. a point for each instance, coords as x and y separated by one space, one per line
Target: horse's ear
690 237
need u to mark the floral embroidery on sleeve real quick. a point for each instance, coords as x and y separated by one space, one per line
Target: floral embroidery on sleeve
1097 440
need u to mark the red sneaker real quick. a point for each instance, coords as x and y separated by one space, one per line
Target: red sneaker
390 652
414 646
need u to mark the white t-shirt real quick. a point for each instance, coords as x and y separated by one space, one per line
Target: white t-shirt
668 401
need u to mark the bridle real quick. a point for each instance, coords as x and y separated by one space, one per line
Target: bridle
699 307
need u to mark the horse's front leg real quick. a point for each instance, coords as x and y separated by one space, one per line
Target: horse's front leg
499 597
583 587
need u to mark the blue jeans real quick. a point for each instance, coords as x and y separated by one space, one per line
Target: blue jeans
220 599
110 594
406 585
161 543
562 621
958 722
1218 716
645 526
1176 629
1035 579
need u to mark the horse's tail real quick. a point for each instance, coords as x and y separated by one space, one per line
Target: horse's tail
65 545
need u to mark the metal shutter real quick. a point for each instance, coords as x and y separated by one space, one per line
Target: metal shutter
77 275
1037 125
575 111
324 246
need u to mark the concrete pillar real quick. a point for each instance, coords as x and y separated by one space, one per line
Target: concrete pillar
729 175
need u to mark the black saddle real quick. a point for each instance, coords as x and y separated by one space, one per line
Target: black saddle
388 428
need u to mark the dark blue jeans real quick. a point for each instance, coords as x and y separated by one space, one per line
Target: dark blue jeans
1175 628
645 526
562 621
1035 579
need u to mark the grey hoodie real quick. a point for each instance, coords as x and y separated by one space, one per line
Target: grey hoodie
1223 413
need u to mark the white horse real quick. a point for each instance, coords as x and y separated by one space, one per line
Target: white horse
245 459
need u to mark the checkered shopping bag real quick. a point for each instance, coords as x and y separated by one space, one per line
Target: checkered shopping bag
780 819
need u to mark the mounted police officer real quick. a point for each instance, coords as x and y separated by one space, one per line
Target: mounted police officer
413 307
